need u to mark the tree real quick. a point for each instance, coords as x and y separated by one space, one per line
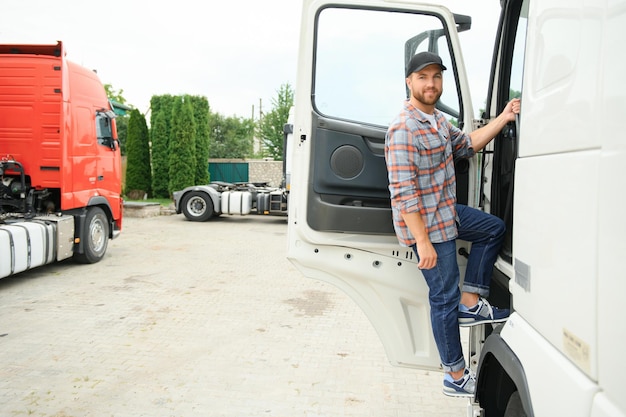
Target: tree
138 172
182 147
270 127
160 126
112 94
201 119
230 137
121 121
121 124
160 174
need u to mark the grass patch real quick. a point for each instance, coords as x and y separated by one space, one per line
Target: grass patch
165 202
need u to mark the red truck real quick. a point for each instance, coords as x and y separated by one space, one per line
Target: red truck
60 162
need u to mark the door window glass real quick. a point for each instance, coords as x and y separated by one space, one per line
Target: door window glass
360 60
506 148
517 64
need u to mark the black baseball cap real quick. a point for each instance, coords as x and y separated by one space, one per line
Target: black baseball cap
422 60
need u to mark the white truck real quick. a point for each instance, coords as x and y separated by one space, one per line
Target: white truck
202 202
554 177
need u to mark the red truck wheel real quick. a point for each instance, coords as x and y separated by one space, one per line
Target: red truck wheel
95 237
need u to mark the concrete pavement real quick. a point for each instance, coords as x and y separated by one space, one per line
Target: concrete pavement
197 319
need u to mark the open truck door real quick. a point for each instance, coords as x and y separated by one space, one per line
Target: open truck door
350 86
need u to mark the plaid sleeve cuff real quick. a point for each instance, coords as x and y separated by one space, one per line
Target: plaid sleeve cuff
410 205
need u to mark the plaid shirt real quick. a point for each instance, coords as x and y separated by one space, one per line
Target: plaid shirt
421 172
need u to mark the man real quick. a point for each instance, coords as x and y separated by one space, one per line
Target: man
420 148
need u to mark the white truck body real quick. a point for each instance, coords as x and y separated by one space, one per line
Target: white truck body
202 202
554 177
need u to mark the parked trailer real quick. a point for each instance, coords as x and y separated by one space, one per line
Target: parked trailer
201 202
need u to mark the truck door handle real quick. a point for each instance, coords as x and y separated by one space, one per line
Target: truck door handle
100 177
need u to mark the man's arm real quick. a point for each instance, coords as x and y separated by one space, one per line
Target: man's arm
402 159
481 137
425 249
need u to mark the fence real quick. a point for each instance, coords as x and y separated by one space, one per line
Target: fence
238 170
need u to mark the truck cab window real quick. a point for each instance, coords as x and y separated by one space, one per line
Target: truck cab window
104 130
360 60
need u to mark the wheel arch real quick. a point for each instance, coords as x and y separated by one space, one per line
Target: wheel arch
214 195
103 203
500 374
80 214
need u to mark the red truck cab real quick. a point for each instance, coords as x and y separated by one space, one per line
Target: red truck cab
59 153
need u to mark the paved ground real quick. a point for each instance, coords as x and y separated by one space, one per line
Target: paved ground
187 319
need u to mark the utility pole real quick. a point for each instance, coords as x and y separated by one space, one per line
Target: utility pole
256 141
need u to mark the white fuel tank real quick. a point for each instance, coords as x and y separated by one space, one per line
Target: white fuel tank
25 245
236 202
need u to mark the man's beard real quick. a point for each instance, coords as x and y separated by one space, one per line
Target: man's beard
428 102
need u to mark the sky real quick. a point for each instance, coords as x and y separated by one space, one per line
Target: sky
236 53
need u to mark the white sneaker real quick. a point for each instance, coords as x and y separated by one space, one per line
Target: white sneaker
481 313
463 387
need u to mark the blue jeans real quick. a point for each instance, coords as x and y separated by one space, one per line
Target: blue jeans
486 233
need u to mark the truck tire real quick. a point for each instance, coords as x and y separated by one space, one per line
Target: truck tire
197 206
95 237
514 406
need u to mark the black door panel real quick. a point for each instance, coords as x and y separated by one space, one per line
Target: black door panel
349 191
